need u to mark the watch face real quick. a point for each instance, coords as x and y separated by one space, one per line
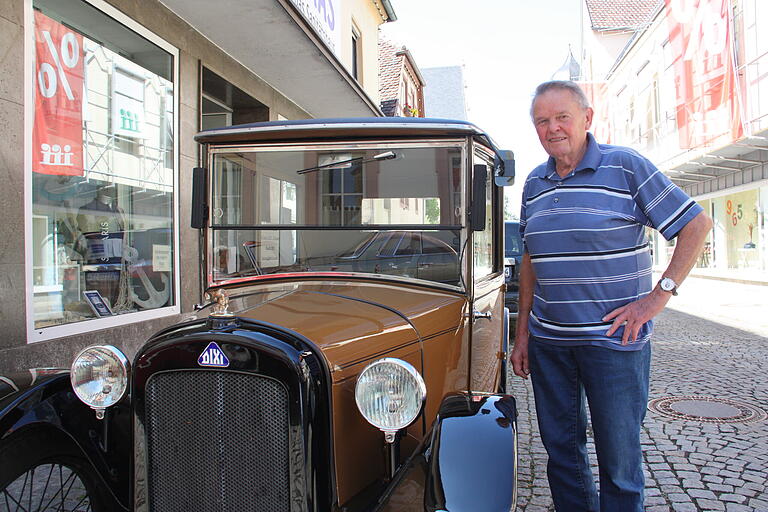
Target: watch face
667 284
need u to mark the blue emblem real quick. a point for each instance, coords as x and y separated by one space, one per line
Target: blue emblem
213 356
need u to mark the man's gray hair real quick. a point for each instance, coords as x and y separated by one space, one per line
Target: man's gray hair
563 85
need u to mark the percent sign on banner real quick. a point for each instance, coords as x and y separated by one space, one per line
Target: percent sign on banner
57 140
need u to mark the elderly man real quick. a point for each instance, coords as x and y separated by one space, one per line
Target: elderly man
587 299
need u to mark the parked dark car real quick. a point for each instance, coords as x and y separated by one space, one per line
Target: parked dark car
513 256
295 388
403 253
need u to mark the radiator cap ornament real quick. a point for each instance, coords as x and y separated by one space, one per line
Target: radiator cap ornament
213 357
220 305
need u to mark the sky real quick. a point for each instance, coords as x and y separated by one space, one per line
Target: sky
506 47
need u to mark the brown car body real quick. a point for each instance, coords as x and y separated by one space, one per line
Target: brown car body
356 322
454 338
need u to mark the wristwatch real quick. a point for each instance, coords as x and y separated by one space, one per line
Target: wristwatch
668 285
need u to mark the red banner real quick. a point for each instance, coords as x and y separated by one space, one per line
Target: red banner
705 80
57 138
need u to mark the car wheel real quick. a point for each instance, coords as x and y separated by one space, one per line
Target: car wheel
38 474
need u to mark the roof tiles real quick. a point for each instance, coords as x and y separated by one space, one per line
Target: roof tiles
621 14
390 65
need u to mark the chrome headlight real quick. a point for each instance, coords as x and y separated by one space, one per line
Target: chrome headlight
390 394
99 376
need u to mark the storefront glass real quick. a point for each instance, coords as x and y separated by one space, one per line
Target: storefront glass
102 168
738 225
705 259
762 232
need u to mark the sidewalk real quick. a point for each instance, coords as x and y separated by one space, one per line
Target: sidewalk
734 275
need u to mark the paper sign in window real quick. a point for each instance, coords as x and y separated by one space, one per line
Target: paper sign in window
161 258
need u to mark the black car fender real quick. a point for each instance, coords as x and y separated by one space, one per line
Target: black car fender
467 463
42 403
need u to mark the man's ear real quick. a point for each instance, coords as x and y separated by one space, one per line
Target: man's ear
589 114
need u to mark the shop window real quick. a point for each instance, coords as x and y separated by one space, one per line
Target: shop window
215 114
740 217
224 104
103 180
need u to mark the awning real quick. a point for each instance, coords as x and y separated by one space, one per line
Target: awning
748 152
270 38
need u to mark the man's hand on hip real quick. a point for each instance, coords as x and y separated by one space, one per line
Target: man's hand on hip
635 314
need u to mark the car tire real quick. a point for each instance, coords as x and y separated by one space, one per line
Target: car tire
46 473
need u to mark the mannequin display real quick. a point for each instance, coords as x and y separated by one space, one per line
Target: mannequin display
101 224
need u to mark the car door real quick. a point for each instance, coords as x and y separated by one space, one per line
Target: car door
487 304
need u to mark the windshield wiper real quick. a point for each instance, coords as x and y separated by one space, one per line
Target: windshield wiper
387 155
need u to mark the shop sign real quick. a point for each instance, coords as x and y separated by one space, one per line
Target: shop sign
57 136
322 17
128 104
705 79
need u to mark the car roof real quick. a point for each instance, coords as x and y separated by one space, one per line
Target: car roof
343 128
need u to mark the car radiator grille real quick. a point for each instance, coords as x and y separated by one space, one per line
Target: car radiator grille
217 441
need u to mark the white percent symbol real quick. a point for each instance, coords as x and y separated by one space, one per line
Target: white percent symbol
70 54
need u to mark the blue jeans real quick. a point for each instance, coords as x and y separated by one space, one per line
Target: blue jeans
616 387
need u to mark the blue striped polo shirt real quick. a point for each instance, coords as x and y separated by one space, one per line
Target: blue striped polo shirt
585 234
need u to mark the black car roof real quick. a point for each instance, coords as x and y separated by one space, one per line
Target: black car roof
346 128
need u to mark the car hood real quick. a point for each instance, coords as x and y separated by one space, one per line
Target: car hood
351 322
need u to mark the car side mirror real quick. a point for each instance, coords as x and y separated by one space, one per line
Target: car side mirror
504 165
199 201
477 212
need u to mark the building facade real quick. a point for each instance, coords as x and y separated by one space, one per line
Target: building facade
100 101
445 92
688 88
401 85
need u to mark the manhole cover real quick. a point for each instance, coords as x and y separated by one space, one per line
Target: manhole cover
707 409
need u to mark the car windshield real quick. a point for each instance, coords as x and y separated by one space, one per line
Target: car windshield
386 209
513 245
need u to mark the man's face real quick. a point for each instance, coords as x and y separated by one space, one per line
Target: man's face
561 124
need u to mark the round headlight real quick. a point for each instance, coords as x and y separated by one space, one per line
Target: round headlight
390 394
99 376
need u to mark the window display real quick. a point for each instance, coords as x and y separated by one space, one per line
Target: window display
739 219
102 168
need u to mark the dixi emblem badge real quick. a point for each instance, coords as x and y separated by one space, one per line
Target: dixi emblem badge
213 356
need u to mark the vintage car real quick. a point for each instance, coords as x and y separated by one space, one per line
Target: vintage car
297 386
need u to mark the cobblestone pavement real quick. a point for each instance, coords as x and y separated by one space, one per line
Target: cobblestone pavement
689 465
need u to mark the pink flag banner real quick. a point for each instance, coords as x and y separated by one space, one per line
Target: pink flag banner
708 112
57 136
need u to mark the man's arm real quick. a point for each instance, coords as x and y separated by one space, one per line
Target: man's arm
527 280
690 241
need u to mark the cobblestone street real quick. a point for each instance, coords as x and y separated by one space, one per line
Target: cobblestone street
690 465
